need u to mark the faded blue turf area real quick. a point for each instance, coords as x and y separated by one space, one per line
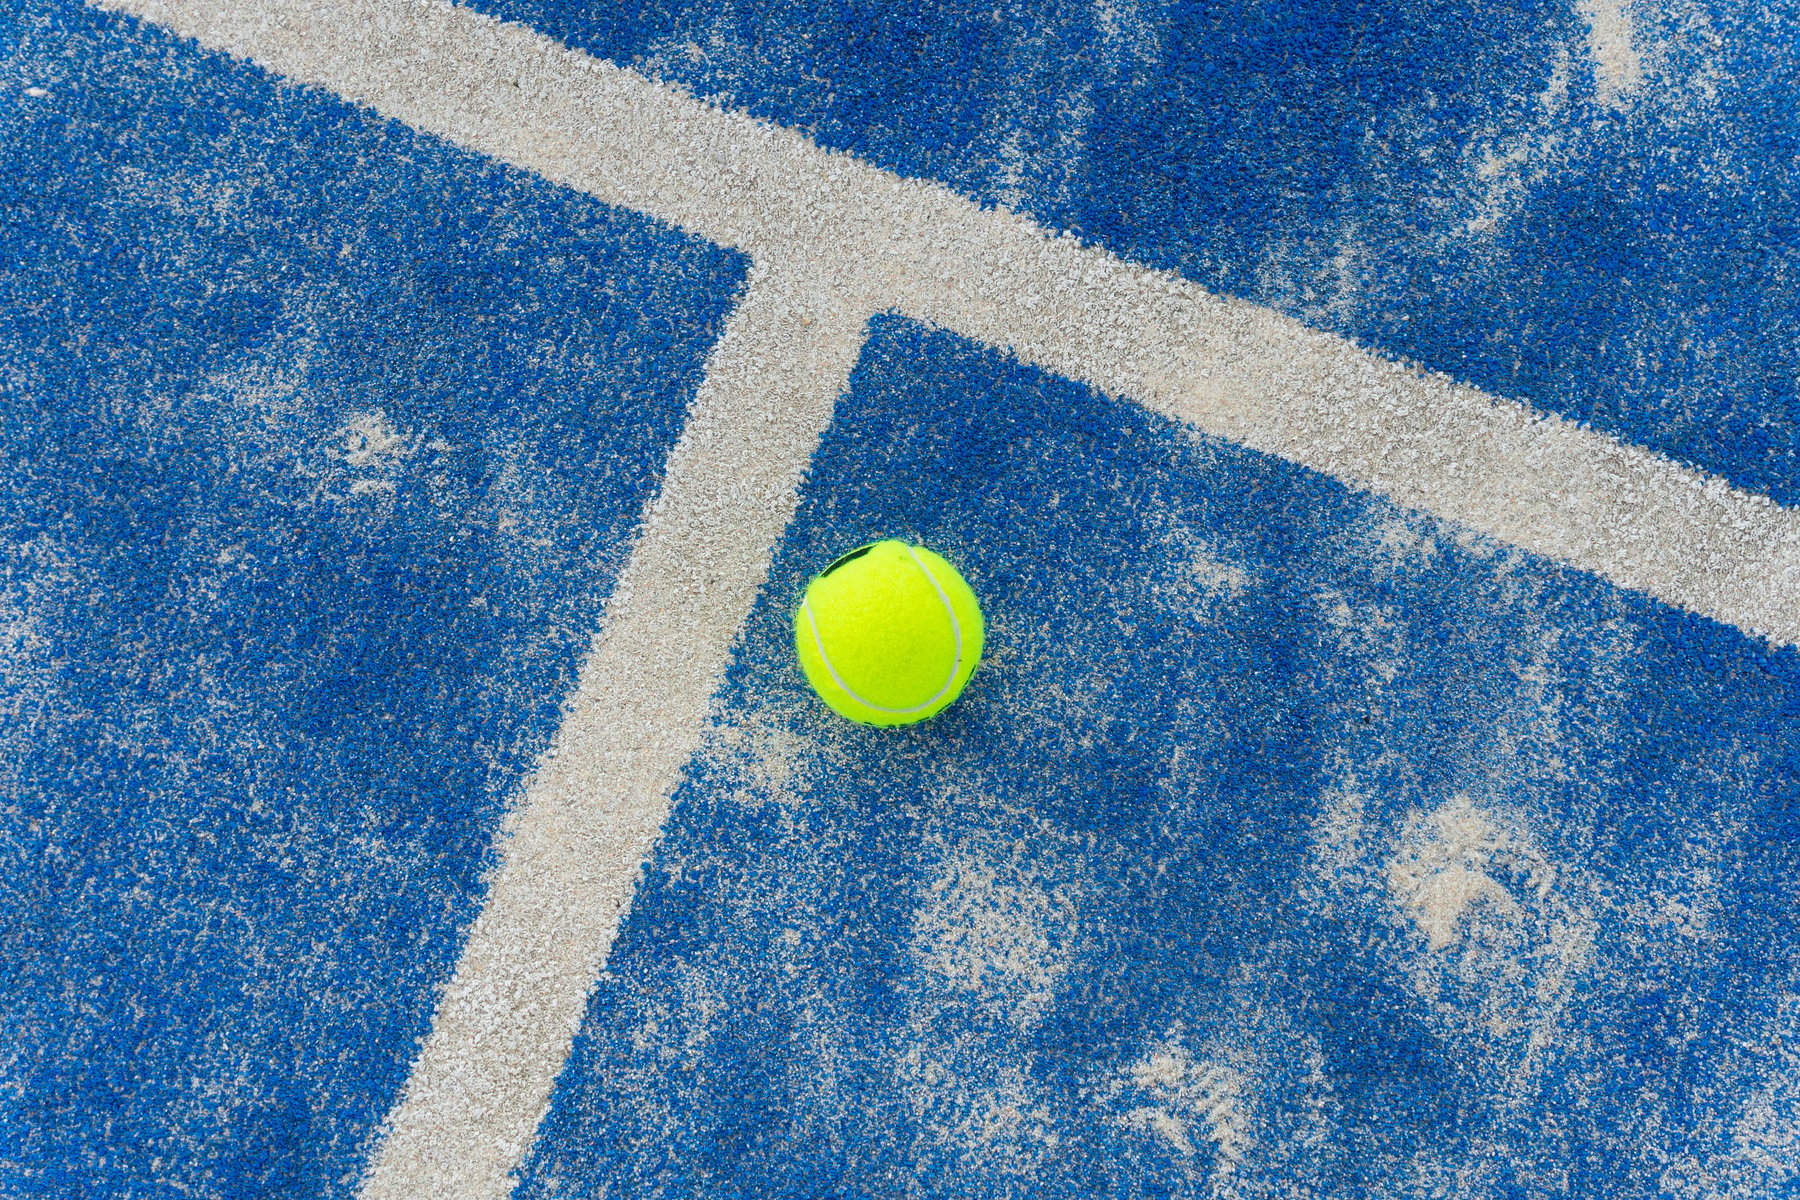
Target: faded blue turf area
1592 207
320 447
1285 845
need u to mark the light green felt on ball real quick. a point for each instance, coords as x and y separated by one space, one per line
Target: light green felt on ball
888 634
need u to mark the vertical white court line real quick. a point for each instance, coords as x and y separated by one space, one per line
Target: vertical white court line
571 853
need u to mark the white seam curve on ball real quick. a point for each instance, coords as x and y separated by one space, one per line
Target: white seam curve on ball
955 665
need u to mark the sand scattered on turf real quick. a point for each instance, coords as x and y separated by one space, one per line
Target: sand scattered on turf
1612 42
1501 947
1186 1100
988 931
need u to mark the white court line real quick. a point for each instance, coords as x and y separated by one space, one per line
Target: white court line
1230 368
571 851
849 239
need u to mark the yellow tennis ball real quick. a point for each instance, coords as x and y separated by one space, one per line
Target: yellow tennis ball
888 634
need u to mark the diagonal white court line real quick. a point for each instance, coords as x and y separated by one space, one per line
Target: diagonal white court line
571 851
843 240
1230 368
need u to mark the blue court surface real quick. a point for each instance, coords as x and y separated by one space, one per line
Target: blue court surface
1287 843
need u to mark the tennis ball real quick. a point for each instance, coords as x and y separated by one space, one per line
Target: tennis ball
888 634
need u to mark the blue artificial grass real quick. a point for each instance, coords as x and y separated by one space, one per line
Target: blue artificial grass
1286 842
322 444
1451 182
1226 704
